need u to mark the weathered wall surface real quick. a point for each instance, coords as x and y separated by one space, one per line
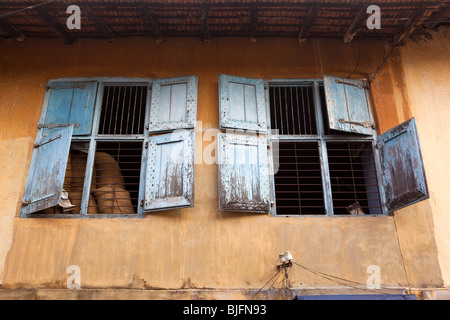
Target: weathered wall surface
426 66
201 247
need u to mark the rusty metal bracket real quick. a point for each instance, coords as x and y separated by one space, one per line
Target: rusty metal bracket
284 265
359 86
54 125
37 145
362 124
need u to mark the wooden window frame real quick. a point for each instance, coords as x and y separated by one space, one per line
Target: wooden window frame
94 137
322 140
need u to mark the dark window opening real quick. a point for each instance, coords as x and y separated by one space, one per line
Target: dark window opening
117 171
298 181
353 178
292 110
123 110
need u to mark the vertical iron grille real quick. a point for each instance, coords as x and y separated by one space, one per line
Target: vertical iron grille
123 110
298 181
117 173
353 178
292 110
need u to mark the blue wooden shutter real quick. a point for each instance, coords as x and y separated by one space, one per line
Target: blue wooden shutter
243 173
47 171
71 103
402 166
170 171
174 104
348 105
242 103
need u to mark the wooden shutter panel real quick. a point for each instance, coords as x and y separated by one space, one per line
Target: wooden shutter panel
170 171
348 105
243 173
47 171
402 167
174 104
71 103
242 103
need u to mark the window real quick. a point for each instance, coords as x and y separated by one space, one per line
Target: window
320 143
112 148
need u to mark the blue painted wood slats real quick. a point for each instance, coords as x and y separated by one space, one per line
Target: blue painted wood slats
348 105
47 171
242 103
71 103
174 104
402 167
170 171
243 173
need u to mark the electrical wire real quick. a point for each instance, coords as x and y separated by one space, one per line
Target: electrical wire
26 9
330 277
274 276
357 61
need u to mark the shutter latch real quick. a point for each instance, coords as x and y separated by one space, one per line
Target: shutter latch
362 124
37 145
54 125
359 86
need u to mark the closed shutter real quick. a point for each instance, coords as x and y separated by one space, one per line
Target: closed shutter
243 173
174 104
348 105
402 166
70 103
170 171
242 103
47 171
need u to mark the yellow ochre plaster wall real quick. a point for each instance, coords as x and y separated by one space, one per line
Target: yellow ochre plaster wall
200 247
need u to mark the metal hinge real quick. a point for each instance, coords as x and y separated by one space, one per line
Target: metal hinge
359 86
362 124
146 145
37 145
54 125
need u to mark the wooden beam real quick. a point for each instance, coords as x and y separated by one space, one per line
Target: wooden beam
356 24
11 31
204 19
253 22
54 24
150 22
410 25
308 23
98 23
439 16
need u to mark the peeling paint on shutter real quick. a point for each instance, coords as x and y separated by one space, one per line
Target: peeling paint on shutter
242 103
170 171
348 105
71 103
47 171
402 167
174 104
243 173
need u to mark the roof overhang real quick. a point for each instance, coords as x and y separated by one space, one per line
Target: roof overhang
300 19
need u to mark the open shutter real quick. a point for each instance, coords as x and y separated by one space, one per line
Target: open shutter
47 171
402 166
242 103
243 173
70 103
174 104
170 171
348 105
